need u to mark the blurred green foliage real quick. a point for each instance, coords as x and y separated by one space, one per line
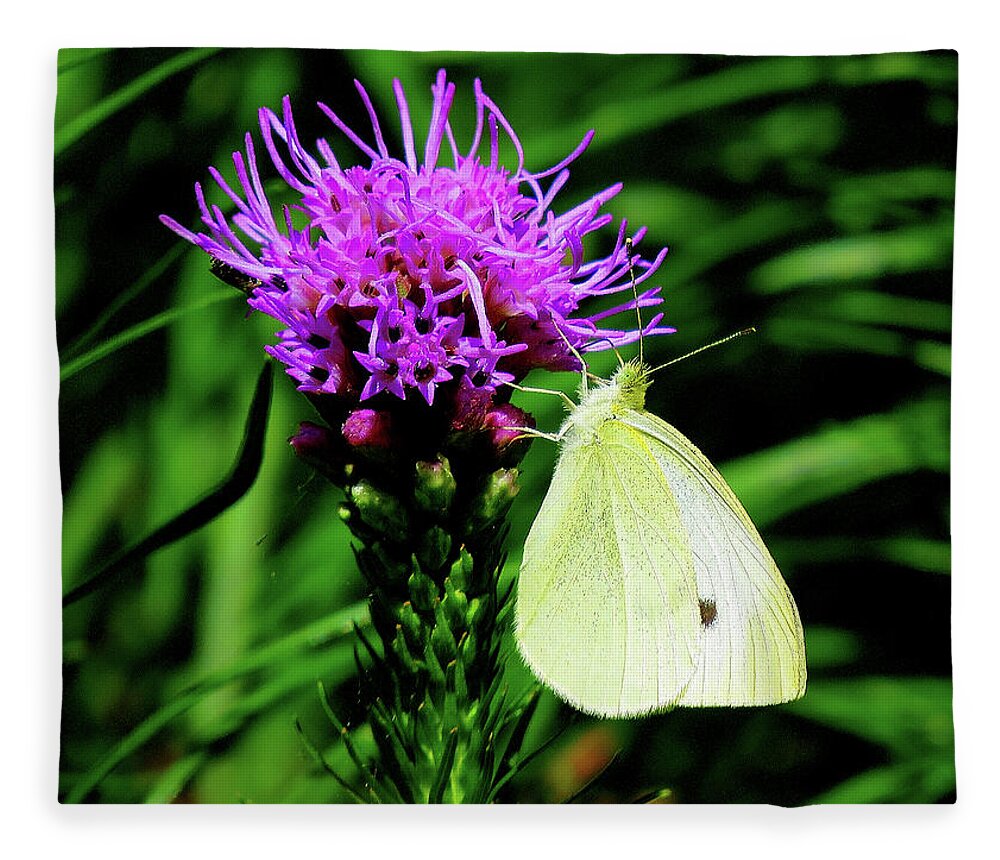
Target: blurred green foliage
811 197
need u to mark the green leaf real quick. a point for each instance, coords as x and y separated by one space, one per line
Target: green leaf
818 335
908 716
226 494
920 553
153 273
70 368
71 58
828 647
909 249
107 107
320 633
925 781
842 457
176 777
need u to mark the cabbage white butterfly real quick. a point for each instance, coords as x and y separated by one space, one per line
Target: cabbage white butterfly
644 584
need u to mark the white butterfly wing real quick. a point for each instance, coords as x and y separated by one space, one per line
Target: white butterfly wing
752 651
607 608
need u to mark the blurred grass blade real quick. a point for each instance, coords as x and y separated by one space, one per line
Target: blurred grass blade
919 781
71 58
909 249
123 298
829 647
919 553
816 335
139 330
176 777
871 307
910 716
632 113
841 458
322 632
230 491
85 122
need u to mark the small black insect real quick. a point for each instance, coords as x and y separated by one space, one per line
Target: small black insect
234 277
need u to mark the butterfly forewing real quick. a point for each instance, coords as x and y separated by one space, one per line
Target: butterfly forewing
608 612
752 651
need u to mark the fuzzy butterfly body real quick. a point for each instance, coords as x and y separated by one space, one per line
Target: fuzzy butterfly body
644 584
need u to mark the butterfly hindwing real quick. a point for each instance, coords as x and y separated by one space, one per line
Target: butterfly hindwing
753 651
607 605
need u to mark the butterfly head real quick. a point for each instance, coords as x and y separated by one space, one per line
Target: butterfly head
631 381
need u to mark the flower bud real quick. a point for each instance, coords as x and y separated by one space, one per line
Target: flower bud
435 545
495 499
435 486
368 428
318 446
461 570
504 424
423 591
381 511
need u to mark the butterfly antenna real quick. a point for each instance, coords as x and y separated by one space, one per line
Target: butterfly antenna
635 294
712 345
614 349
574 352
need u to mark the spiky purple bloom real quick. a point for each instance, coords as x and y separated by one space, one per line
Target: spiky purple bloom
409 275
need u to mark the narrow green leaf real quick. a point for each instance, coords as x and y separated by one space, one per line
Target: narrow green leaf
842 457
124 297
909 249
520 763
176 777
131 335
909 716
320 759
919 553
319 633
374 785
436 794
70 58
230 491
121 98
914 781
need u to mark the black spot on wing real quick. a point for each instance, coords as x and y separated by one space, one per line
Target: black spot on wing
708 612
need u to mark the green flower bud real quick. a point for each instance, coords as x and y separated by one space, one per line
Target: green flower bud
435 545
495 499
442 638
402 651
434 487
411 625
455 604
391 567
474 614
381 511
461 570
434 664
423 591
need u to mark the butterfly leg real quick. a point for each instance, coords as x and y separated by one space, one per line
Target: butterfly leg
532 433
526 388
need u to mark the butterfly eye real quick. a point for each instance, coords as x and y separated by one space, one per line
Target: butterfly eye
708 612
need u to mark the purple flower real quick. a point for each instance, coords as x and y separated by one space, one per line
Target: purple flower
408 275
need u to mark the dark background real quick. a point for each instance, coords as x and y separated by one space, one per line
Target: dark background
811 197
